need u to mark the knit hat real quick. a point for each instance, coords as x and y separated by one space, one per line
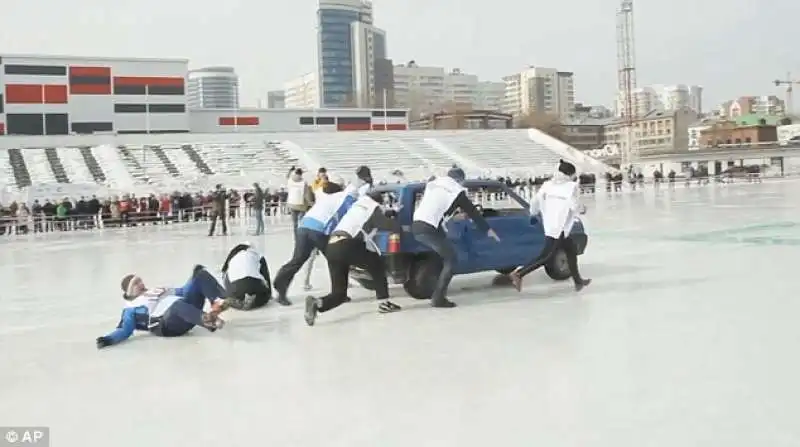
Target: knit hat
566 168
364 173
457 174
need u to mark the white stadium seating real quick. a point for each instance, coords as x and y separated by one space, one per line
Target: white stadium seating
192 163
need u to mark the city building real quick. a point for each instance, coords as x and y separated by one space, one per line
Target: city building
653 133
372 70
747 105
539 90
276 99
588 111
427 90
468 119
489 96
584 132
302 92
352 65
664 98
213 88
297 120
731 132
60 95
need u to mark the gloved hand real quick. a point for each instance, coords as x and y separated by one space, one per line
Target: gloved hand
103 342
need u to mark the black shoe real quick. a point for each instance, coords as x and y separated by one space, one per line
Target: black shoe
443 303
388 307
249 301
581 284
311 310
283 301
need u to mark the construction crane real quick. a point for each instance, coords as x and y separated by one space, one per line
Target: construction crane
626 77
788 82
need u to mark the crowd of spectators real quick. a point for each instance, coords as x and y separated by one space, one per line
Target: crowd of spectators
87 213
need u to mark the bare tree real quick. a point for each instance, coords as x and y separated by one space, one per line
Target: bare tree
546 122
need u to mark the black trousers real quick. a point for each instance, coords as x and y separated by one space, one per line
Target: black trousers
240 288
352 252
305 242
436 240
551 247
221 216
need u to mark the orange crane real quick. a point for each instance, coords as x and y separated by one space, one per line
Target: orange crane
788 82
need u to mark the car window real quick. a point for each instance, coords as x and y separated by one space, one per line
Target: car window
495 198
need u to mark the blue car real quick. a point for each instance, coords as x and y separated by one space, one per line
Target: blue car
416 267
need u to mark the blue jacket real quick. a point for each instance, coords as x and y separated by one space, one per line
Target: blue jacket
326 228
138 318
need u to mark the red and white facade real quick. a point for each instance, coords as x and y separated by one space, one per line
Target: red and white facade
59 95
55 95
296 120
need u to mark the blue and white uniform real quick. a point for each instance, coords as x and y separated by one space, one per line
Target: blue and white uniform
167 312
330 208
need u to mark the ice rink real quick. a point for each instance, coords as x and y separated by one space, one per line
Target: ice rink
688 336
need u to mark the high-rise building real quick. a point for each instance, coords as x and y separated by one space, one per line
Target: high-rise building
302 92
350 52
434 89
213 88
372 70
539 90
664 98
489 96
276 99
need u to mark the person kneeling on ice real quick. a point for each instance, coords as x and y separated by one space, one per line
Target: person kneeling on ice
246 278
351 244
168 312
557 201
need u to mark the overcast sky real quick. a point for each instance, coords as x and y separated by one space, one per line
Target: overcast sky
731 47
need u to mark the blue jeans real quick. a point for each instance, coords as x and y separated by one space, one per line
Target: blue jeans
187 312
436 240
259 220
305 241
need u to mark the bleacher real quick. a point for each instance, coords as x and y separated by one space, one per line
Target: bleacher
267 158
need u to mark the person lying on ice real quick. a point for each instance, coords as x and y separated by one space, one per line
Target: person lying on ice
317 224
557 201
245 275
351 244
168 312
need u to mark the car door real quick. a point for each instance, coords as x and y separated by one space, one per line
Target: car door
458 233
520 236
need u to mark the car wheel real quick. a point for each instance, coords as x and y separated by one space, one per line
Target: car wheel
423 276
558 267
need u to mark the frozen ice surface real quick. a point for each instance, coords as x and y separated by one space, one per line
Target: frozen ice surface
687 337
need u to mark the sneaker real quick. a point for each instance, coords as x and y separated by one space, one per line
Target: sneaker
249 300
312 307
581 284
443 303
212 322
387 306
283 301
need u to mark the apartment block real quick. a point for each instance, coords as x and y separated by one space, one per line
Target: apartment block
539 90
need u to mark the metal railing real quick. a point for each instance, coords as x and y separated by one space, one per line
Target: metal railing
243 215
